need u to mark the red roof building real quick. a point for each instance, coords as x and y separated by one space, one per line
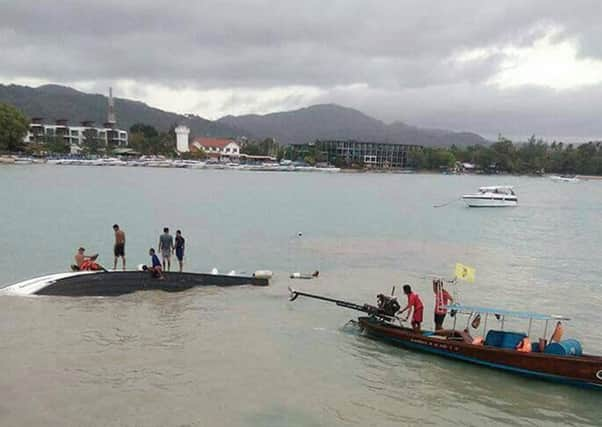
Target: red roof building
216 147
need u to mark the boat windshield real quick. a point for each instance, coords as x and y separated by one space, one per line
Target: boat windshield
497 190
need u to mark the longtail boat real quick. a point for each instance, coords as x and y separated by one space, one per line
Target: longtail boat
113 283
551 359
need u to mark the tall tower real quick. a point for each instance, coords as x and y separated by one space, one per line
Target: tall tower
182 133
111 112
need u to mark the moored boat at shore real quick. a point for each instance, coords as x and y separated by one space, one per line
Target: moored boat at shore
564 178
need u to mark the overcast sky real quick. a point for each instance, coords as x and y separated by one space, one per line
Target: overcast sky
510 67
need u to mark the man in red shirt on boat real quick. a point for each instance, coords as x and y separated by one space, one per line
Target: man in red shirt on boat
442 300
414 303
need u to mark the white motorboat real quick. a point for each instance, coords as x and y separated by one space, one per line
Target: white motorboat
23 161
564 178
492 197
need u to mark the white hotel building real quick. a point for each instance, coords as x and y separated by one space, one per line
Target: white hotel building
75 136
108 135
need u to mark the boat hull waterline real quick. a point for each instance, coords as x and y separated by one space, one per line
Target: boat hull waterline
585 371
489 202
113 283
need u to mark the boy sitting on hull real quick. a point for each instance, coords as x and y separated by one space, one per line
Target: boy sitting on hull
155 268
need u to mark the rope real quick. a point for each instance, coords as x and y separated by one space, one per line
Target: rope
447 203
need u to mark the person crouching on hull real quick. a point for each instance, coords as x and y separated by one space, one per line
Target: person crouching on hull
155 268
415 304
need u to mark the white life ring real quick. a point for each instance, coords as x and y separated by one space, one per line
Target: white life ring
599 374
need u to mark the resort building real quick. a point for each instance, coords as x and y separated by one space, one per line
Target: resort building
348 153
77 137
216 147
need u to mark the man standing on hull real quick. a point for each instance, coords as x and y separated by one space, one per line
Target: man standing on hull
119 248
180 244
166 248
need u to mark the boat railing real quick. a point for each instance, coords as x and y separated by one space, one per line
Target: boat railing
500 314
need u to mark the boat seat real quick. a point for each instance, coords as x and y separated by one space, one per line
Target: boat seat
504 339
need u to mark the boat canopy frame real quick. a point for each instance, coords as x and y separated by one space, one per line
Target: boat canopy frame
466 309
502 313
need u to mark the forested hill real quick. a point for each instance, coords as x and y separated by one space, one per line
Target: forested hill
331 121
325 121
57 102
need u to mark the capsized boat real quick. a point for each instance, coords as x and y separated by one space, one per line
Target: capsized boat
492 197
113 283
553 360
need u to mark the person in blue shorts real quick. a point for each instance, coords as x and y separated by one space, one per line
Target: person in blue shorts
180 245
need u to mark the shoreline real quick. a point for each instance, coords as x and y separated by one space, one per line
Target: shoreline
15 160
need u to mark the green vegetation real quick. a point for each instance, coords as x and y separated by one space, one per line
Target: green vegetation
533 157
145 139
13 128
54 144
266 147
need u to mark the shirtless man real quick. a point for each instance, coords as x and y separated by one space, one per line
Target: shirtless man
119 248
80 258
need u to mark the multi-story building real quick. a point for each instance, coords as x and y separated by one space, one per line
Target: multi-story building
362 153
76 137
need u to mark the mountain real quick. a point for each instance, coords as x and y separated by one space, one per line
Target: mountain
325 121
57 102
330 121
308 124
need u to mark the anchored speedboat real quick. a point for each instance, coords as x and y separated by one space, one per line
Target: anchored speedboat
492 197
112 283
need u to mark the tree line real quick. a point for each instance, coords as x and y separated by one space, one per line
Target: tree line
533 157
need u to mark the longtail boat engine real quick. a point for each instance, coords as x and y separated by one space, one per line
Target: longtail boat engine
387 305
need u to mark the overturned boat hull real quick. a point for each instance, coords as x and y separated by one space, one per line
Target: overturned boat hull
582 370
113 283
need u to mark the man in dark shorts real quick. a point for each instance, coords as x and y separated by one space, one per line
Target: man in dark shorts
166 248
180 245
119 248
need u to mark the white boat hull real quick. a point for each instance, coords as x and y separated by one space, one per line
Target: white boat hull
31 286
489 202
564 179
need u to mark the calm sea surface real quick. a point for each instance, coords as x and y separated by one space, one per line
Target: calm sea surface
249 357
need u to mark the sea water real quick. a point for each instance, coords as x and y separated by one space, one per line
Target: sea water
247 356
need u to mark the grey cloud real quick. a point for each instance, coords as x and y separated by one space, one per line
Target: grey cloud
399 49
517 113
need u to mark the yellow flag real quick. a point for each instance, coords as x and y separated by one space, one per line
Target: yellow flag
464 272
